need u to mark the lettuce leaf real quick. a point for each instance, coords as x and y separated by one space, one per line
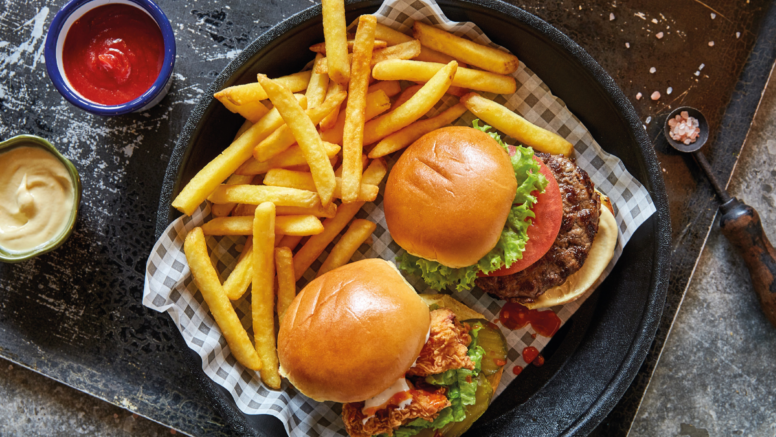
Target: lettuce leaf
461 390
513 239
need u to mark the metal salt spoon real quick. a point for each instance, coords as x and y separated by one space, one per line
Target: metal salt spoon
739 222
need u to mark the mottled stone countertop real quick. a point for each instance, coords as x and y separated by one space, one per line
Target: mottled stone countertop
715 372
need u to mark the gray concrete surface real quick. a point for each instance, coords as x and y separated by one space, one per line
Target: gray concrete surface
717 373
33 405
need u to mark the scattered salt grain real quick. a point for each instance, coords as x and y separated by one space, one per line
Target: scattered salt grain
713 15
649 119
669 90
611 16
652 70
654 20
659 35
701 67
655 95
627 45
638 96
697 73
711 43
738 35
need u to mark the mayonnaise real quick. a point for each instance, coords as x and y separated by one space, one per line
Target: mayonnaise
36 198
381 400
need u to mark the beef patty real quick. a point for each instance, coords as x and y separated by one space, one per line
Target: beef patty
581 208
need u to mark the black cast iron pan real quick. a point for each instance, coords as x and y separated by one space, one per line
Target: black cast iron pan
591 361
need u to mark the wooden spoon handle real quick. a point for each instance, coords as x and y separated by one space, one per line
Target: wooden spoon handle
741 225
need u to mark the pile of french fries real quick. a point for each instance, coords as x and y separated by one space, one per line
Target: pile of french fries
277 179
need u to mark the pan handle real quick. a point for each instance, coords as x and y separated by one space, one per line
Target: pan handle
741 225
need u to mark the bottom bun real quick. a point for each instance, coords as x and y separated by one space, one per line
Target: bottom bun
586 278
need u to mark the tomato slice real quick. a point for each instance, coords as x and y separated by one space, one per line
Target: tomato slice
545 226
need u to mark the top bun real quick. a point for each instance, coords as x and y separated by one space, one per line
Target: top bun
448 197
352 332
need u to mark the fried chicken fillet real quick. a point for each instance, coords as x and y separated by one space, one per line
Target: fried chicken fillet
446 349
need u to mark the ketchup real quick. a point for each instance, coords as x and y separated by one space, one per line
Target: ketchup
530 353
113 54
515 316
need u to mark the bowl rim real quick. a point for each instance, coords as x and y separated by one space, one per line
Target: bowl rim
60 83
36 141
647 327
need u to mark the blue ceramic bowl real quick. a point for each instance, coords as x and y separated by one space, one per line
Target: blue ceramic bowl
55 41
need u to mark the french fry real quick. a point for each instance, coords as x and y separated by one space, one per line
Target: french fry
284 264
376 103
263 293
403 138
283 137
287 225
304 181
417 71
478 55
245 126
515 126
405 95
257 194
390 87
364 162
331 119
240 279
317 211
290 241
394 37
321 46
412 109
358 232
206 279
375 173
317 243
318 86
252 110
246 99
457 91
305 133
220 168
355 112
291 157
407 50
336 40
224 209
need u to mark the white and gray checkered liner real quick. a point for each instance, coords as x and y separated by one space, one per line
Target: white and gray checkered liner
168 285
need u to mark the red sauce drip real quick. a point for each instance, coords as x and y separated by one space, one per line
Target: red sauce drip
515 316
113 54
539 361
517 369
530 353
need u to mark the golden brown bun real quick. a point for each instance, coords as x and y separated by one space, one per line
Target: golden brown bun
588 277
448 196
352 332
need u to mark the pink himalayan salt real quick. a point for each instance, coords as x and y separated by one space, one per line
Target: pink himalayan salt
684 128
655 95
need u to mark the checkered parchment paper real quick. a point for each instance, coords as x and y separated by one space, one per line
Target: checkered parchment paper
169 286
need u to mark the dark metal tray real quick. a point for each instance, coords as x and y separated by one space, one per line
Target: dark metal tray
593 359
